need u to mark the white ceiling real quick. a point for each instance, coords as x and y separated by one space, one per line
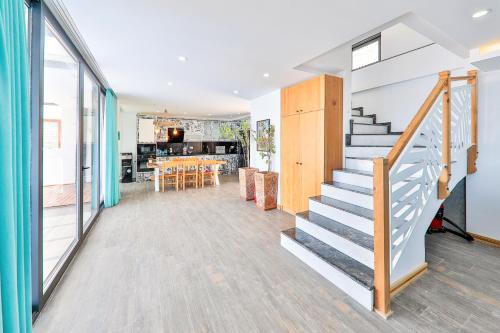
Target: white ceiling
231 43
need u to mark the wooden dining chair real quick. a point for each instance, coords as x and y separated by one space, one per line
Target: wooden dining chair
208 172
169 174
190 172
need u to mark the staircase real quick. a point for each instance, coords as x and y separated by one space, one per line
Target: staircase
336 236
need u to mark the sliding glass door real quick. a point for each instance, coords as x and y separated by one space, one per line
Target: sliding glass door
90 147
59 149
67 107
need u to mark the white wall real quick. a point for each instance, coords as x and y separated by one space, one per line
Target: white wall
399 39
396 103
267 107
483 187
422 62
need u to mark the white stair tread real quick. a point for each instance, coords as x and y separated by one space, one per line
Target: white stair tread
370 128
353 235
373 139
345 206
370 119
352 188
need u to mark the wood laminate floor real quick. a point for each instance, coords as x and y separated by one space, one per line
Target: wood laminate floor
205 261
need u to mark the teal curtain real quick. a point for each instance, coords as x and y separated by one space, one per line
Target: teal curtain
15 265
112 179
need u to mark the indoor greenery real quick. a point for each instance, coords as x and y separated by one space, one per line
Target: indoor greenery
267 146
242 133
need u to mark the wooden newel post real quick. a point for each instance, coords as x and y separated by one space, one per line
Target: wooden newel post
445 176
381 240
472 151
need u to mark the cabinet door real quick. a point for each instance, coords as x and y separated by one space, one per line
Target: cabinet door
311 156
290 169
305 96
289 101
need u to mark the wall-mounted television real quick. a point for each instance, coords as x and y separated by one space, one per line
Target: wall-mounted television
175 135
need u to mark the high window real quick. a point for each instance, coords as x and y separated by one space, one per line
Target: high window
366 52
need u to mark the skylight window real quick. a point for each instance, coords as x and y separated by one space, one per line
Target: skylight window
366 52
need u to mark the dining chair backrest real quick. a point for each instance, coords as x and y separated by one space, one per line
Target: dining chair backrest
190 165
169 167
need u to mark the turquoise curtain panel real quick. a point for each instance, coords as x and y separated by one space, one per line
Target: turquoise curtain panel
112 178
15 274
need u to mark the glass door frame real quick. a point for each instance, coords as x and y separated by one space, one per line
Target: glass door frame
39 13
88 72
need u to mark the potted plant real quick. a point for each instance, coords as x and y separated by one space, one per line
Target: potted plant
246 173
266 182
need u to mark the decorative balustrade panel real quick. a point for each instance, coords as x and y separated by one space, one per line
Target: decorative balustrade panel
461 111
415 174
413 178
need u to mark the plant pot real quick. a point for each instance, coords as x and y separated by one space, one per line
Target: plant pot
247 182
266 190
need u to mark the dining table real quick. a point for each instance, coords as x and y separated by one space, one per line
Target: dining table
157 163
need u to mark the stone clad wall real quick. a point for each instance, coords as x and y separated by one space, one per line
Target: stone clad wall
196 130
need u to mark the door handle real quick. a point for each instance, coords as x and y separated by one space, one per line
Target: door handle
85 168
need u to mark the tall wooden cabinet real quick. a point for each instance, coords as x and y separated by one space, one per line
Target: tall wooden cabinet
311 139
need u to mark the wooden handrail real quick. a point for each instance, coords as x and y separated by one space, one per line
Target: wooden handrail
381 238
472 151
417 120
444 178
462 78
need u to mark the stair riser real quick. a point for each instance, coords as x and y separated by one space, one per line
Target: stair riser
361 165
358 292
374 140
354 221
351 249
363 120
371 152
351 197
355 113
370 129
353 179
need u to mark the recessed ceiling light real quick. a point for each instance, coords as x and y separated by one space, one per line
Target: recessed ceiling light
236 92
170 83
481 13
266 75
182 58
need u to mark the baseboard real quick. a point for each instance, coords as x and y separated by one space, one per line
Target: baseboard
487 240
408 279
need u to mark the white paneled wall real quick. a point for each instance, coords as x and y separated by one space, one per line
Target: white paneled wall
483 187
266 107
